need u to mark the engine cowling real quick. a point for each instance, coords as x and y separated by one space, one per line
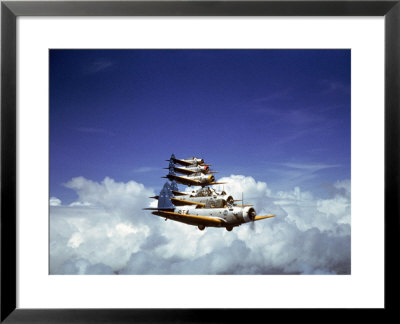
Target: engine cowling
249 214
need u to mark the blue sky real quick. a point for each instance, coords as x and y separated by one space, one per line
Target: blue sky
280 116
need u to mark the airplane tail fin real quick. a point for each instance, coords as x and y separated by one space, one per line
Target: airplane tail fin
164 199
171 165
171 170
174 186
172 158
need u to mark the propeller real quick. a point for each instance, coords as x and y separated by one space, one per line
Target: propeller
252 215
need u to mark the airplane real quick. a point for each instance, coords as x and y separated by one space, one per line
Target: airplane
202 198
227 217
202 192
197 179
193 161
189 170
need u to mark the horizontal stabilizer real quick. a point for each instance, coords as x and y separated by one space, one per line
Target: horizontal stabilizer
155 197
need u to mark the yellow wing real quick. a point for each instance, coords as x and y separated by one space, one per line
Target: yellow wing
182 162
178 193
186 171
263 217
190 219
184 180
182 202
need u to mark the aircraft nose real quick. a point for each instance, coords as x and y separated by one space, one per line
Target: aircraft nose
252 214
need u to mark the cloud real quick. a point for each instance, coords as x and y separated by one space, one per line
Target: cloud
310 167
145 169
55 201
332 86
98 66
295 174
106 232
120 199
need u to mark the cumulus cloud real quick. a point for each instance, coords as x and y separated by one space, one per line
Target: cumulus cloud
54 201
106 232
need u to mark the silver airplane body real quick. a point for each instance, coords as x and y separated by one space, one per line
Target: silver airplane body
193 161
197 179
228 217
204 198
190 170
193 169
204 202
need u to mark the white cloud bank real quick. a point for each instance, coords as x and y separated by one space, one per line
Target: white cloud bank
106 232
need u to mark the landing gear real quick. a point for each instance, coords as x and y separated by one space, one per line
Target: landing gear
229 228
201 227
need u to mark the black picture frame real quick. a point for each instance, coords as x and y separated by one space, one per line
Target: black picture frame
10 10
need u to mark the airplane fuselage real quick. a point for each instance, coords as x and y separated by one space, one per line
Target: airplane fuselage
192 169
210 217
202 179
213 201
233 215
192 161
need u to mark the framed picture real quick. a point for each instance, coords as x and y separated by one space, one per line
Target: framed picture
119 82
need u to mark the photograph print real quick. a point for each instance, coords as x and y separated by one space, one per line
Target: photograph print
200 162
